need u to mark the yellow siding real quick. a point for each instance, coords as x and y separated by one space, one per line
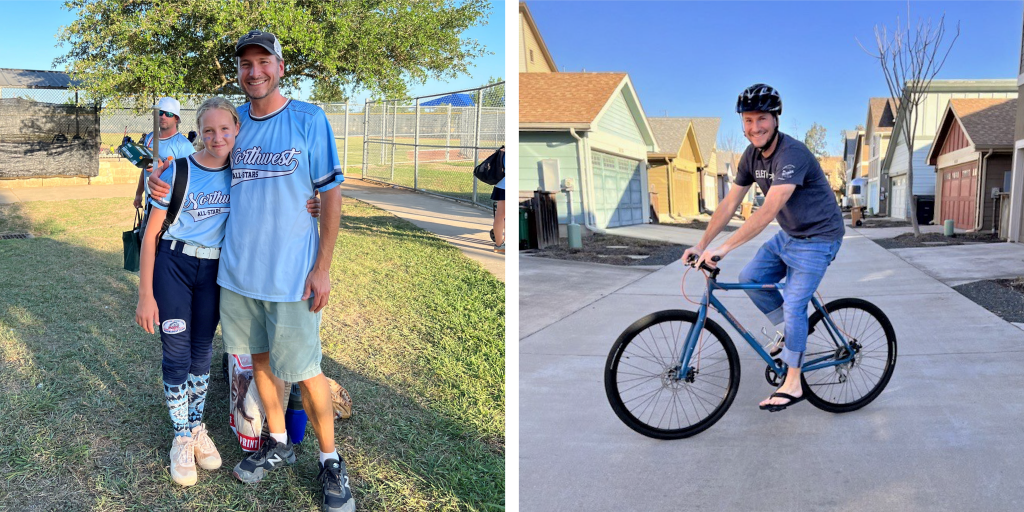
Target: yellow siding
658 182
531 56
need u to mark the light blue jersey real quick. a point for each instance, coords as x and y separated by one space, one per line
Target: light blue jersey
278 161
176 146
205 207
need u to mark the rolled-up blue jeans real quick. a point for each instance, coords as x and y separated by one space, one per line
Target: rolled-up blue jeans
802 261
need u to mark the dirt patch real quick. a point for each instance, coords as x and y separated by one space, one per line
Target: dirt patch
696 224
616 250
908 240
1003 297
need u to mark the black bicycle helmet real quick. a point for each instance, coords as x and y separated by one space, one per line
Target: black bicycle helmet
759 98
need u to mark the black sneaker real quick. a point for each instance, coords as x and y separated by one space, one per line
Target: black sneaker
337 495
270 456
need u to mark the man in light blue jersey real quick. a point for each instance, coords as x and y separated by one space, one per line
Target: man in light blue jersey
172 143
274 264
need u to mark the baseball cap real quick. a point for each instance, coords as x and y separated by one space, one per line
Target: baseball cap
169 105
265 39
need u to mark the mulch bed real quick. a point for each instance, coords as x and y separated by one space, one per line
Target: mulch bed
908 240
616 250
696 224
882 223
1003 297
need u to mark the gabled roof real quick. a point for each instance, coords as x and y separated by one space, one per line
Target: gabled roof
562 101
670 132
674 128
947 86
532 25
988 123
882 112
851 143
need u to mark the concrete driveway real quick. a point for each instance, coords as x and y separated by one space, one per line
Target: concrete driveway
944 435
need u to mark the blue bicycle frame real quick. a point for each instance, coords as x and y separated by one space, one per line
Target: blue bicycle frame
709 300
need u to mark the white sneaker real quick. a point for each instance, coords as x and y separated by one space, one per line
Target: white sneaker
206 453
183 461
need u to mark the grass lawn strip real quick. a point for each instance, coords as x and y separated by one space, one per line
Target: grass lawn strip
414 331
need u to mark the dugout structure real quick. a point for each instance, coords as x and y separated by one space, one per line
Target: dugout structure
45 131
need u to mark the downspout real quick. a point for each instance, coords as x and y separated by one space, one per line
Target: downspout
983 165
585 185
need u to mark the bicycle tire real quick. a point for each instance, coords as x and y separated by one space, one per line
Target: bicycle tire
853 385
652 346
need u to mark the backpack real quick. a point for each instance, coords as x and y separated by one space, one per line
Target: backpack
179 186
492 170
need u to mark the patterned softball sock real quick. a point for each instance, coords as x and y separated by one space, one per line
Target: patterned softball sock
177 402
196 398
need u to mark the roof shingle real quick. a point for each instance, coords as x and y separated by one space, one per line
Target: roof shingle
988 122
565 97
673 129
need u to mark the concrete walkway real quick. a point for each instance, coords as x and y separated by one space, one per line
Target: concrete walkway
463 226
943 435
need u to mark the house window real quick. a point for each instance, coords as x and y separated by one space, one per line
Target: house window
531 55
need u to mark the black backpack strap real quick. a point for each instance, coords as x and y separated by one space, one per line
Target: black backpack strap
181 171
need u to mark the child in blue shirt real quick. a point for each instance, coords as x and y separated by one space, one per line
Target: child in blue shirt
178 284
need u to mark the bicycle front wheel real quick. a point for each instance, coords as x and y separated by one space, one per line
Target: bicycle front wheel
850 386
642 376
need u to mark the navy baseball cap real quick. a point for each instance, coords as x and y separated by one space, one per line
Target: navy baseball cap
267 40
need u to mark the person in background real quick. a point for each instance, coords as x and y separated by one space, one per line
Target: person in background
172 143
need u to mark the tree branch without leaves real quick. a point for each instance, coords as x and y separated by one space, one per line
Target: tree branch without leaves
909 62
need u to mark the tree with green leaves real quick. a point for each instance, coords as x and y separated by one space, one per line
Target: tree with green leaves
494 96
815 140
129 51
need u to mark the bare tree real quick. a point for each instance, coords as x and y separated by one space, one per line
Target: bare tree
909 61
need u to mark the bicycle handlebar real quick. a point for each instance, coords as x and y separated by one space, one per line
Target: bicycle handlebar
703 266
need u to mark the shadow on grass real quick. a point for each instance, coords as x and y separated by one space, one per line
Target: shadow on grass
87 428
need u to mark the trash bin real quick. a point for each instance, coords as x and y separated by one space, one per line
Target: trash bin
856 214
524 227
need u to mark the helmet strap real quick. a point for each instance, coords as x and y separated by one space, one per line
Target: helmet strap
775 133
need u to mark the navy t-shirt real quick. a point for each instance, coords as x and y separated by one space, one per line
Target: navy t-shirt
812 210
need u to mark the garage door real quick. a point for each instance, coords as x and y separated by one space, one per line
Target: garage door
958 202
618 191
899 197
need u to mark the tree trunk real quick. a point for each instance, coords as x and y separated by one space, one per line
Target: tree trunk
911 198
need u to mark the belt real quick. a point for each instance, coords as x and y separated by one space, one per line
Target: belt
203 253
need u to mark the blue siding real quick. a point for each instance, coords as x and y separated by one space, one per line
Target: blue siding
537 146
618 120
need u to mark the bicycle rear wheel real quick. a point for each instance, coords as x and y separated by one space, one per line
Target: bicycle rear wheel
642 383
850 386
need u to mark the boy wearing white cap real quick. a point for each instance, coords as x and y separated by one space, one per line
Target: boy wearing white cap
172 143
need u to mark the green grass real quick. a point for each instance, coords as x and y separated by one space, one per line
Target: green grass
414 330
454 179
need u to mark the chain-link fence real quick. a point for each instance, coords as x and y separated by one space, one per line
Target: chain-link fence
432 143
45 133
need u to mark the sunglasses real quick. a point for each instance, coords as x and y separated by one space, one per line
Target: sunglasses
167 114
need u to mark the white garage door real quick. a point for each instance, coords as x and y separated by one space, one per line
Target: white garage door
899 198
617 190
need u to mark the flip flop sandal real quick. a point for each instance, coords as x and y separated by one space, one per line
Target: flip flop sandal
778 407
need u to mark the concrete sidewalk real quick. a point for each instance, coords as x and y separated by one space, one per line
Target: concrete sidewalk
463 226
942 436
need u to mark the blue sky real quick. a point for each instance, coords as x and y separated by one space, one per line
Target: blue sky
693 58
29 37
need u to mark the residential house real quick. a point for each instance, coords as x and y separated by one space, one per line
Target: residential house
834 167
973 152
1014 213
533 53
849 159
707 182
928 115
881 116
589 127
673 174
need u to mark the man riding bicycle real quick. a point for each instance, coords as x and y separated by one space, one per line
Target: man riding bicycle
798 195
